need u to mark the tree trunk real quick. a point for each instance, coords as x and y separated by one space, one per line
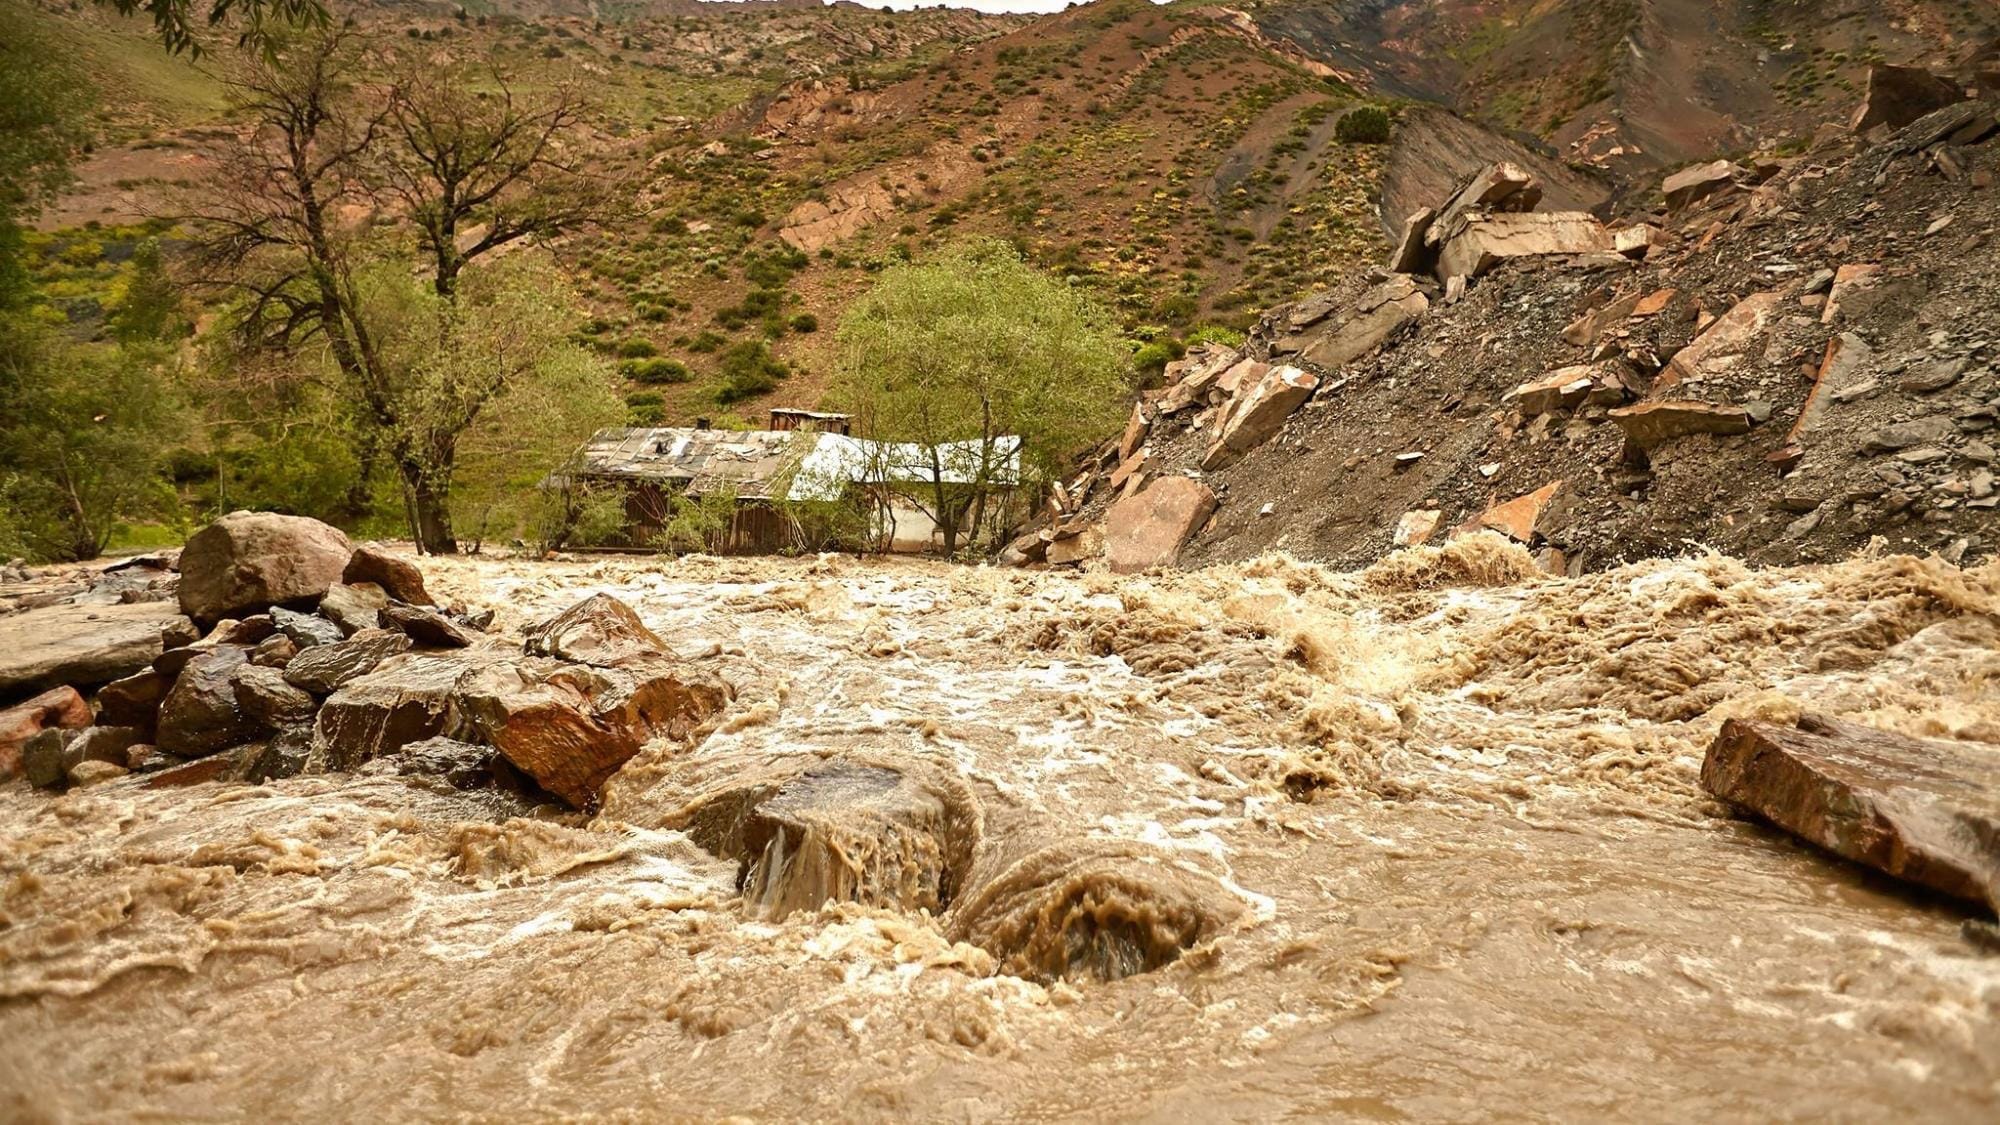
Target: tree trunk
428 493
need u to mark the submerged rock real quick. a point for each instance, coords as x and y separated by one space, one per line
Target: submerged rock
1918 809
597 630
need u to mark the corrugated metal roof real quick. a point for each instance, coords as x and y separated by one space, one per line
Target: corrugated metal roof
817 466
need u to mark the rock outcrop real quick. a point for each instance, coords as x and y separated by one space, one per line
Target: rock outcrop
81 645
254 560
1898 95
1918 809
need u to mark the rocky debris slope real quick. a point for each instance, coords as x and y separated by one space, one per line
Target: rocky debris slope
1787 359
336 658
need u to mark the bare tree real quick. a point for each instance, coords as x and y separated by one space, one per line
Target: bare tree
300 209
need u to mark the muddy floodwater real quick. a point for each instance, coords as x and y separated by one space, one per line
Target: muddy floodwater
1260 841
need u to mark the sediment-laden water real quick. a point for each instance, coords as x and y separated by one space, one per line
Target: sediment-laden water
1424 842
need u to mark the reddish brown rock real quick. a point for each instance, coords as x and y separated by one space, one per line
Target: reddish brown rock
251 560
1918 809
571 726
1416 527
1147 530
1256 412
1724 341
1899 95
1584 330
599 630
399 577
1135 432
1518 518
133 701
58 708
1648 424
1562 389
1690 186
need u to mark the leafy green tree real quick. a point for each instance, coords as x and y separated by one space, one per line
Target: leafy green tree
258 22
149 307
471 170
963 355
83 436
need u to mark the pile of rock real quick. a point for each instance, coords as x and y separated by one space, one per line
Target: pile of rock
1490 217
321 656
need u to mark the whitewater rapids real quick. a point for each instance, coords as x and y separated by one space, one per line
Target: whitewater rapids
1420 842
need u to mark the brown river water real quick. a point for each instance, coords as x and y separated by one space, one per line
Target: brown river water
1253 842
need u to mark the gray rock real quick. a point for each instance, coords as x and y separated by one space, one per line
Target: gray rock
201 715
354 606
1904 435
133 701
462 765
322 669
283 755
427 627
107 744
47 757
1932 377
306 629
264 697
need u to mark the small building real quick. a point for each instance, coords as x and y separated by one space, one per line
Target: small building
803 484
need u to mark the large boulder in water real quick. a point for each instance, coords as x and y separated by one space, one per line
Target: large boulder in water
250 560
598 630
571 726
1918 809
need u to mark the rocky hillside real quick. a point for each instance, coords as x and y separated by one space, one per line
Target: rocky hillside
1633 85
1789 359
1181 161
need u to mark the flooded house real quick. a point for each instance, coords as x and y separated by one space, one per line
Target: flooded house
804 483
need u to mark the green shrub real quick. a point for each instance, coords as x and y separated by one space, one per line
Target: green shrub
749 369
646 408
656 370
638 347
705 342
1364 125
805 322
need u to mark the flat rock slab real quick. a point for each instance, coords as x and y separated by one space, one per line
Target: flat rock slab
79 645
1918 809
